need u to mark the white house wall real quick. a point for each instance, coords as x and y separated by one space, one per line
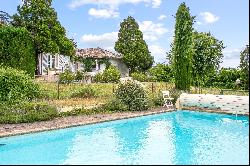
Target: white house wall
121 66
63 62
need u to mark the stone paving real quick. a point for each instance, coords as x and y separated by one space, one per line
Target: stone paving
70 121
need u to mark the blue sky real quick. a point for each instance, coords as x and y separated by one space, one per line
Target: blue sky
94 24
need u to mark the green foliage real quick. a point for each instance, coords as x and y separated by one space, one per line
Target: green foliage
16 86
79 75
104 61
66 77
182 48
115 105
132 95
4 18
161 73
139 76
98 77
207 56
244 66
86 92
175 93
25 112
17 49
40 19
157 100
131 45
226 78
88 64
111 74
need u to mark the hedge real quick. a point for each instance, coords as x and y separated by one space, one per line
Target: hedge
17 49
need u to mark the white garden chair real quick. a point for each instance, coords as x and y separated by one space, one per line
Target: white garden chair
167 99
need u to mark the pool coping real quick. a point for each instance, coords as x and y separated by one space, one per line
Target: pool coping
81 120
73 121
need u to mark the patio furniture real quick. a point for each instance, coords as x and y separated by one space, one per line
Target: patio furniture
167 99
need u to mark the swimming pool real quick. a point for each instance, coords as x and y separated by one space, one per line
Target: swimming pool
180 137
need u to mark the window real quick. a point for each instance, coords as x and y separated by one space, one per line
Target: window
51 61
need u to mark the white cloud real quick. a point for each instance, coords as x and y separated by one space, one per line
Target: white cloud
231 57
106 40
152 31
232 53
112 3
162 17
209 17
156 3
158 52
103 13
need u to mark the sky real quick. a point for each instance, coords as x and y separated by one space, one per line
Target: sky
96 23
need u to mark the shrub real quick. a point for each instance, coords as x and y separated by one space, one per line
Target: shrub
132 95
157 100
98 77
17 86
26 112
85 92
161 73
115 105
111 74
175 93
17 49
66 77
140 77
79 75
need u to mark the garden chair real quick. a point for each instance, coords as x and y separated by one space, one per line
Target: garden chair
167 99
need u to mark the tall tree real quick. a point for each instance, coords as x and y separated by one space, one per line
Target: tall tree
131 45
206 58
4 18
244 66
40 19
182 48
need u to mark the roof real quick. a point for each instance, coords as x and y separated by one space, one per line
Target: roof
97 53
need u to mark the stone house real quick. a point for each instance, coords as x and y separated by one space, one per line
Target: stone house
49 65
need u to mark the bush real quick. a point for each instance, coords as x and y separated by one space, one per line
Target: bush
98 77
132 95
115 105
111 74
85 92
17 86
161 73
66 77
17 49
140 77
157 100
79 75
175 93
26 112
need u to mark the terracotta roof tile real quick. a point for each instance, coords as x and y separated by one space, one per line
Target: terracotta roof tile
97 53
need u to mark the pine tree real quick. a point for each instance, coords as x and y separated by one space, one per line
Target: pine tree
182 49
132 46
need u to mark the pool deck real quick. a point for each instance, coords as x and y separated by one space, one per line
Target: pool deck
70 121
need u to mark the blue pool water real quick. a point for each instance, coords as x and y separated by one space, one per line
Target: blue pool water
181 137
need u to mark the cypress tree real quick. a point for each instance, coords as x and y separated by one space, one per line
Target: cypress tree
182 48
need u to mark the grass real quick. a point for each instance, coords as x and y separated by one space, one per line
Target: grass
105 91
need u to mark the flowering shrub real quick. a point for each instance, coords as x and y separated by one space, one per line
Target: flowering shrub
132 95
